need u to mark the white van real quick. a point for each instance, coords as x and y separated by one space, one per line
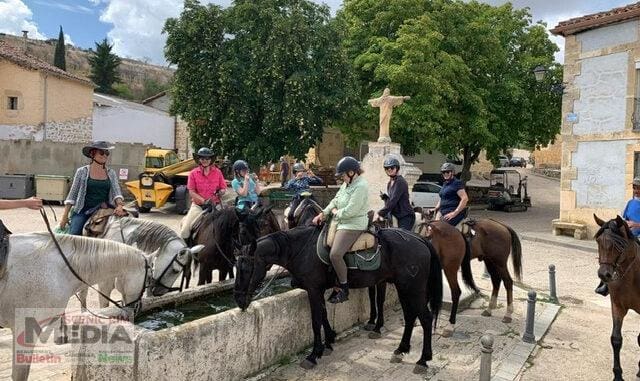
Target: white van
425 194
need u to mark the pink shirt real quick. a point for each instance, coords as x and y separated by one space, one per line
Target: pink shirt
206 185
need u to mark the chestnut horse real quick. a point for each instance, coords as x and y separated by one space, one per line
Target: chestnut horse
620 270
491 242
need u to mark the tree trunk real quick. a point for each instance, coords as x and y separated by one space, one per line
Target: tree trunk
469 155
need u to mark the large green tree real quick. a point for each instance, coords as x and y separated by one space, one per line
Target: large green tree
260 78
468 67
104 67
59 59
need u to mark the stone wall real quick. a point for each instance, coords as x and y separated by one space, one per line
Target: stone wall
549 156
183 143
598 147
72 131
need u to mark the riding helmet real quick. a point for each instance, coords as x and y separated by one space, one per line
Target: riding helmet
239 165
347 164
448 167
391 162
298 167
204 152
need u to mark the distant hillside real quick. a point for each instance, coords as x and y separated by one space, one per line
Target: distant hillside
141 78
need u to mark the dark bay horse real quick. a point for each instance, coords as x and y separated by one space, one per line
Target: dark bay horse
491 242
307 209
620 270
454 253
408 261
222 231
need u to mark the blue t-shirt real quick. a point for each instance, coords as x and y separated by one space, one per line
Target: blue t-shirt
251 196
449 199
632 213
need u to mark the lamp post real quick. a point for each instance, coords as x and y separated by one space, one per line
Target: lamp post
540 72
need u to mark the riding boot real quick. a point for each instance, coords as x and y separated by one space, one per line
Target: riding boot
602 289
342 295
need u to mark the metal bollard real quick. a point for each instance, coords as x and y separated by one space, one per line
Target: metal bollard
552 283
485 357
528 336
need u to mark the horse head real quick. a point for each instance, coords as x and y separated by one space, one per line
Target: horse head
168 262
252 267
616 245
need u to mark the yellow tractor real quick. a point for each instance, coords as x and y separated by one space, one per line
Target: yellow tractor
164 175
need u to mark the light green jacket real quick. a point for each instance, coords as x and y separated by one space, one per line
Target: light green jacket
352 203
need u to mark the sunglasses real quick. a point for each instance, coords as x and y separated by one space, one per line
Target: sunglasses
443 172
204 158
388 168
103 153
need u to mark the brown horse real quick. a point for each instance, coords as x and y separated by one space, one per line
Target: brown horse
491 242
620 270
454 253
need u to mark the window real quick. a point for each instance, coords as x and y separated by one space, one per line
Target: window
12 103
636 164
635 119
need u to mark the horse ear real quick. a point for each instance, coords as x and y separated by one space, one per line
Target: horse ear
620 222
598 221
196 249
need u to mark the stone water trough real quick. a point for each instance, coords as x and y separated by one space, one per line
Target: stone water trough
230 345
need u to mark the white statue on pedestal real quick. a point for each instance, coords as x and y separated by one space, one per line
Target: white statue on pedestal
386 103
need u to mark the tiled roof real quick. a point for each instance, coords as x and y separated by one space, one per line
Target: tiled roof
579 24
19 58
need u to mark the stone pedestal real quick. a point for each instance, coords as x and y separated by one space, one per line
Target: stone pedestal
374 171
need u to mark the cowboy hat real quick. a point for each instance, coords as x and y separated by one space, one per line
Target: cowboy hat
105 146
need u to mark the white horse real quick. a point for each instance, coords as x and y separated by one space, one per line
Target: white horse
172 256
34 275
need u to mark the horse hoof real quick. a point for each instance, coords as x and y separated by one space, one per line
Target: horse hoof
61 340
327 351
507 319
307 364
369 327
420 369
375 335
396 358
447 332
486 313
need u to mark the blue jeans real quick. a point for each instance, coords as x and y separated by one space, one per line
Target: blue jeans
455 220
77 222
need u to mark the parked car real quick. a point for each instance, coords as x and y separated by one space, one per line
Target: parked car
503 160
517 161
425 194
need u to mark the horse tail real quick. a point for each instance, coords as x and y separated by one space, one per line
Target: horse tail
434 284
467 274
516 253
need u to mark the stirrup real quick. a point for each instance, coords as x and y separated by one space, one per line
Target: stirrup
340 297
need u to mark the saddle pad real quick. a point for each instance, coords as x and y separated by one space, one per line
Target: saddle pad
366 240
364 260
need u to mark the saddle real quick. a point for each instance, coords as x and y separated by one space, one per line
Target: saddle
300 208
97 223
363 255
4 248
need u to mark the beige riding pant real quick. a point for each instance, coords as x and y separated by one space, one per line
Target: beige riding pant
189 219
341 243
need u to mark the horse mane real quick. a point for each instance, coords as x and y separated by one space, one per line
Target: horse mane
611 235
148 235
92 255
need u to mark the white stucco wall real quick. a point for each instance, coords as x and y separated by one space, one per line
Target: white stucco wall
123 124
608 36
601 174
603 85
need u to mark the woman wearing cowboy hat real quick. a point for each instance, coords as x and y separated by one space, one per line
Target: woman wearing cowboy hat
93 185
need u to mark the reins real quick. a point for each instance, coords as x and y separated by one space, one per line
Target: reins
135 303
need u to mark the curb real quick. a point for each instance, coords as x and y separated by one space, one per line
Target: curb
555 242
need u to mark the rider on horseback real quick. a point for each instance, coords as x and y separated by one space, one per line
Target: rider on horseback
301 182
205 184
349 208
453 197
245 185
396 200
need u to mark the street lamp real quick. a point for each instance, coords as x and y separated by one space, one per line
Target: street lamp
540 71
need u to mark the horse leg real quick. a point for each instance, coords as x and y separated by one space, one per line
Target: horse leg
82 296
106 287
452 279
426 321
329 333
495 282
381 291
372 309
508 285
618 314
222 275
316 302
409 320
20 372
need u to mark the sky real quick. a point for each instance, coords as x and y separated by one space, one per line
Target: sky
134 26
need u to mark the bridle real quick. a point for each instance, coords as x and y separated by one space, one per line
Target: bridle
620 259
158 281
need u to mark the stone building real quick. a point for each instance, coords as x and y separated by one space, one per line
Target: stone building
162 101
600 123
40 101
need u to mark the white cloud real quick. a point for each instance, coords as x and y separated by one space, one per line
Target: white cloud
67 40
76 8
16 17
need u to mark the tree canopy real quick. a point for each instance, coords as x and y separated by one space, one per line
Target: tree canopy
260 78
466 65
59 59
104 66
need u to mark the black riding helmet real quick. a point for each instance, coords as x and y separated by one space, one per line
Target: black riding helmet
391 162
347 164
203 152
239 165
